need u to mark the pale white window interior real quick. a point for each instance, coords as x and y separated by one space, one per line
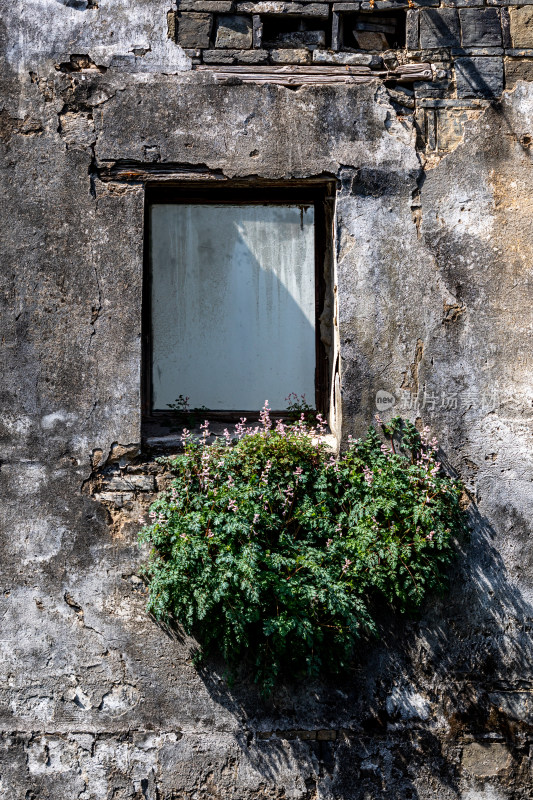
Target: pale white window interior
233 304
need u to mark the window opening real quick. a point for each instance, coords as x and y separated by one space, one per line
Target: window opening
234 294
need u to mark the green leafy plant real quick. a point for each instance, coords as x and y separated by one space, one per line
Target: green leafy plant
298 405
187 415
269 548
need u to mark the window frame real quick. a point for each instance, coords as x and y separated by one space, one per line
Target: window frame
270 193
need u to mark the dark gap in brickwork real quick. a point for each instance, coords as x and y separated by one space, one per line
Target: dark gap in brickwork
376 31
294 32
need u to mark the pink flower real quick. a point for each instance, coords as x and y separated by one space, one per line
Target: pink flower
232 505
264 416
255 519
346 565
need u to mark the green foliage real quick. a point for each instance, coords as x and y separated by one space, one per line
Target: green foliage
183 411
267 547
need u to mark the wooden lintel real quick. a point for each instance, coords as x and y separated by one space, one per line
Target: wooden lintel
295 75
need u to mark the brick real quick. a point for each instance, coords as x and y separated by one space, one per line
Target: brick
440 54
307 735
477 51
463 3
290 56
517 70
431 130
194 30
352 59
391 5
411 30
326 736
521 53
439 28
480 27
214 6
226 57
506 27
509 2
479 77
234 32
346 6
144 483
315 10
450 126
522 26
335 31
257 31
290 9
431 88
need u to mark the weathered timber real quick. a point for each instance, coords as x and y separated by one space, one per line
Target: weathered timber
292 74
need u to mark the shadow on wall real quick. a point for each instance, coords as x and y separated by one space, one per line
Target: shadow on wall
388 728
473 77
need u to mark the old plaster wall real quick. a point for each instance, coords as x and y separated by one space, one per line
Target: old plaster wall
434 306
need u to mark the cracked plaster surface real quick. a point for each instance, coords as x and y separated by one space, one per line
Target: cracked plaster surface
97 701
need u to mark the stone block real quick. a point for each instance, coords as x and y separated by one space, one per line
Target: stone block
485 759
477 51
518 69
233 32
431 88
439 28
450 126
315 10
509 2
506 27
290 9
351 59
346 7
142 483
370 40
213 6
479 77
335 31
463 3
522 26
326 735
290 56
480 27
411 30
194 30
228 57
257 31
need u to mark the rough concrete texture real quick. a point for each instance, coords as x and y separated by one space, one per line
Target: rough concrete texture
434 305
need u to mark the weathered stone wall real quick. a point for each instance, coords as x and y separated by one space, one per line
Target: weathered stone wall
433 253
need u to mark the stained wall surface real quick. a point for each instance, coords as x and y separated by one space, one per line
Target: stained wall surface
433 240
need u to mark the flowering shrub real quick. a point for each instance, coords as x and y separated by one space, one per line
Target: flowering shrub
269 547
